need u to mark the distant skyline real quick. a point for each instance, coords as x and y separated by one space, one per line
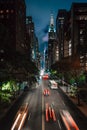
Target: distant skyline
40 10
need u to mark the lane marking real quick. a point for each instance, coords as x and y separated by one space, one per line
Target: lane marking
43 123
59 124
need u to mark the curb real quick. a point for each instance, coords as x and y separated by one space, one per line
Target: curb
6 111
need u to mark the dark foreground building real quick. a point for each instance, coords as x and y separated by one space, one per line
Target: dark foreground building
79 32
12 27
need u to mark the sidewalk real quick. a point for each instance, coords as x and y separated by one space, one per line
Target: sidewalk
5 110
82 107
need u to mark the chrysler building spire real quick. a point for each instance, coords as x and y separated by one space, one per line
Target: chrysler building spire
51 27
51 20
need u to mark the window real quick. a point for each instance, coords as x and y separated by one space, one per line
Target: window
70 48
81 31
2 51
1 11
2 59
7 11
83 17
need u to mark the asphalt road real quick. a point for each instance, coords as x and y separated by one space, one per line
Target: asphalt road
36 119
37 111
62 102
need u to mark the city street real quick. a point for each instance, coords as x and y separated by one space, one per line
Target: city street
43 65
37 117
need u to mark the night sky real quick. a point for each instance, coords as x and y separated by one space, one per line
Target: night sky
40 11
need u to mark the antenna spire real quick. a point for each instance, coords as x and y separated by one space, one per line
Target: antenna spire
52 20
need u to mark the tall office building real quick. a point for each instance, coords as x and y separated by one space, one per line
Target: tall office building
72 33
33 40
52 43
30 32
37 53
79 32
61 23
13 21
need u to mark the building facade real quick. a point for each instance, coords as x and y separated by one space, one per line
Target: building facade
61 28
79 32
52 43
72 33
33 41
13 19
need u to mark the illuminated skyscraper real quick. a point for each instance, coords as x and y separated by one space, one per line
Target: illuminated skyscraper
51 42
61 28
79 32
72 34
33 40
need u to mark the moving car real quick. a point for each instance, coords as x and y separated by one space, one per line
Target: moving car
20 117
68 120
53 84
46 92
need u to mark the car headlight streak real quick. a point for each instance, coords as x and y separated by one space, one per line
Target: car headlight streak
15 123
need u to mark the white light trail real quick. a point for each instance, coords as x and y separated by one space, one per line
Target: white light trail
15 123
22 121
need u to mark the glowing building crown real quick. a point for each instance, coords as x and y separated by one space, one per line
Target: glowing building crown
51 20
52 24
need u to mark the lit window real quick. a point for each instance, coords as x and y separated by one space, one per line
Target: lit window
1 11
2 60
22 45
32 30
2 51
81 40
83 17
81 31
81 57
7 11
70 52
69 45
29 21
